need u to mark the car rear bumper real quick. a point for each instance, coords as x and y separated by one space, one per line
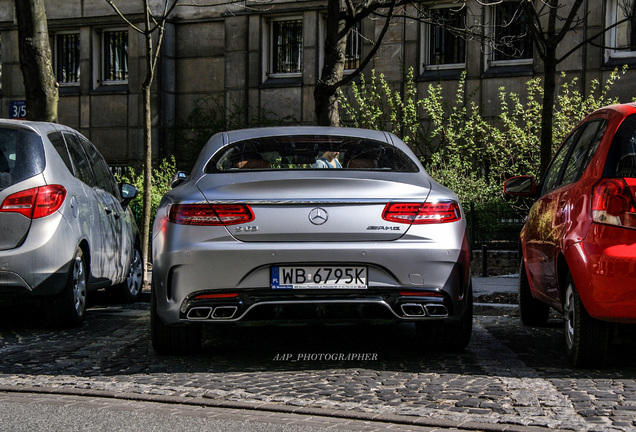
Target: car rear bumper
40 265
224 284
603 267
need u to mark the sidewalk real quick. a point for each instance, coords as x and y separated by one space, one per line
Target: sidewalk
496 295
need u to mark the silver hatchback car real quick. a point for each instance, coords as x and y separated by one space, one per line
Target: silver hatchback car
65 228
309 224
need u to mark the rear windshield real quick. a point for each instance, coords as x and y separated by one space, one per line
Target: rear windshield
309 153
21 156
621 159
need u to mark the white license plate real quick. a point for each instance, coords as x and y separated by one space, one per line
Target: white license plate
327 277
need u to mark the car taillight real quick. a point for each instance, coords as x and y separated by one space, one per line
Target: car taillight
35 203
613 203
418 213
206 214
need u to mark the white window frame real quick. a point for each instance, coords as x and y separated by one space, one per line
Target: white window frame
489 53
425 46
612 34
56 57
99 60
268 48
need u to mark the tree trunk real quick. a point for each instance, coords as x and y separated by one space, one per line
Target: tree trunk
326 91
146 86
547 113
36 61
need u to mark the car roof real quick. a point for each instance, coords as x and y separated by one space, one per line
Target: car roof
241 134
42 128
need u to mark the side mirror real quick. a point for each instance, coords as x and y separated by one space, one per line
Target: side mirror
128 193
178 178
520 186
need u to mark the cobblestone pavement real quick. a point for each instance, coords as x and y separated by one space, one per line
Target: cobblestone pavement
508 378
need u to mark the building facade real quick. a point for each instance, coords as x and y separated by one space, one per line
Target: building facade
267 56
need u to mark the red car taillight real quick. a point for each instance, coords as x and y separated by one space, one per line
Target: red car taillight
613 203
35 203
418 213
210 215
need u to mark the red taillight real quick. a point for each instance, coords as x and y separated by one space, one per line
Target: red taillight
613 203
215 296
205 214
35 203
418 213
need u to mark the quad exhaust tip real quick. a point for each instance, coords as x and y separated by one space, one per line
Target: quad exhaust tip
212 313
421 310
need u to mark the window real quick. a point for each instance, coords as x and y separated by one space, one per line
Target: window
307 152
82 166
512 42
620 38
444 47
103 177
551 180
67 58
583 151
286 47
60 146
115 56
353 51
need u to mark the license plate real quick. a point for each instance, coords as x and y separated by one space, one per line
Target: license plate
328 277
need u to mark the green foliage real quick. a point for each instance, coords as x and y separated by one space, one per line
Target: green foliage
209 116
374 105
160 184
471 155
462 150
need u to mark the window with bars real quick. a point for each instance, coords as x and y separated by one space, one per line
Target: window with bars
511 33
445 46
353 51
115 56
67 58
287 47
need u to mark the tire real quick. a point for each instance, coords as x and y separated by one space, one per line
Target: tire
532 311
449 336
172 340
586 338
130 291
68 308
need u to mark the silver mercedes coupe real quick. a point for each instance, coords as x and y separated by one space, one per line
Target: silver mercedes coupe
305 225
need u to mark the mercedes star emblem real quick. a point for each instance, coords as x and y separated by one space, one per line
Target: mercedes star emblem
318 216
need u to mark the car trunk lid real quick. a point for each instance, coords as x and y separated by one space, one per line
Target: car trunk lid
315 209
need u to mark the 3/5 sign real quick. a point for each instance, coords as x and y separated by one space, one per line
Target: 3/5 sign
17 109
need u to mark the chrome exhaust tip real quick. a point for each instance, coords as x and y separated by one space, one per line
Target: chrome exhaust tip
199 313
224 312
436 310
413 310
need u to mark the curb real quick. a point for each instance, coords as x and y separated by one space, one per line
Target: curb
286 409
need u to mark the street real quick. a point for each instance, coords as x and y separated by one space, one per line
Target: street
509 376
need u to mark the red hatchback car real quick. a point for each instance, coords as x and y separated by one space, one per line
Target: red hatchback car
578 245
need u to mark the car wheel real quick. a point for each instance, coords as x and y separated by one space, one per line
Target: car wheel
130 290
68 308
450 336
586 338
167 340
532 311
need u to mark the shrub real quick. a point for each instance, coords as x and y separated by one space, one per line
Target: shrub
161 178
